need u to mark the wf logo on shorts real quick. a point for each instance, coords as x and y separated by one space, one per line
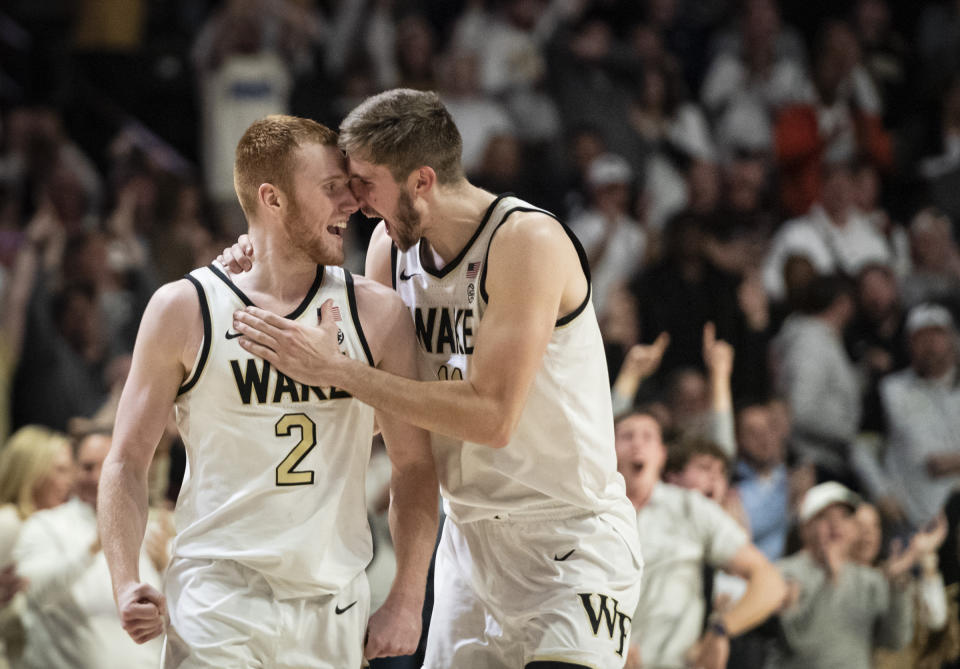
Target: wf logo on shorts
611 617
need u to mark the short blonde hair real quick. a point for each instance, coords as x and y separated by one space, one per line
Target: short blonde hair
25 460
404 129
265 154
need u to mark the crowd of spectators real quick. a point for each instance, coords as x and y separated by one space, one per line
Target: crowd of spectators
768 192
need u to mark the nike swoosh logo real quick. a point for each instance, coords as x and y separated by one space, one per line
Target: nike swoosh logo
561 559
404 276
233 335
338 610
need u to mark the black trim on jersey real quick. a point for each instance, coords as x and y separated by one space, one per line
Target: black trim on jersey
207 336
317 281
450 266
486 254
231 285
584 265
293 315
352 298
394 251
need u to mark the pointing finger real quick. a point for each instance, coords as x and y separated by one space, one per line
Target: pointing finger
661 342
709 335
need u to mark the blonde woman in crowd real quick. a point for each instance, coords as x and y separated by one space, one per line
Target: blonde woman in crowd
36 473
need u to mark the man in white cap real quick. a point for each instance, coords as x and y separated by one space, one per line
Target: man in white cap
840 611
920 407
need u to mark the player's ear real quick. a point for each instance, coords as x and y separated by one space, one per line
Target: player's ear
269 196
421 180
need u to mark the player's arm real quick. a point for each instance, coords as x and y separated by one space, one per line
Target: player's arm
395 628
531 265
156 373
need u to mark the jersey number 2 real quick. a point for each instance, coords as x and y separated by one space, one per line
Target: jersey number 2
286 470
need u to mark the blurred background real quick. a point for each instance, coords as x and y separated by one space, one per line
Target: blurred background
768 192
674 136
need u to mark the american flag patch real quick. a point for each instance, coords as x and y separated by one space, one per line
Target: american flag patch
336 314
473 269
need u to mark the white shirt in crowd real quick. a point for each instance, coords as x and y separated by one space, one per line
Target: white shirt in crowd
922 419
830 248
682 531
70 613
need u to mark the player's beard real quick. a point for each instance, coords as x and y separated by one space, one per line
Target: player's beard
308 239
407 224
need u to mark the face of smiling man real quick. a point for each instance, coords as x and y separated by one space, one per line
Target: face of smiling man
380 196
320 204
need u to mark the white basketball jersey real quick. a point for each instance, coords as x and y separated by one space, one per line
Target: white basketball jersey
275 468
562 452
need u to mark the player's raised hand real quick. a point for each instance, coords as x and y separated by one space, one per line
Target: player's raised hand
304 353
239 257
393 630
143 611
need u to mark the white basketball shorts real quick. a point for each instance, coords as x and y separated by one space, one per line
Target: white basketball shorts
510 592
223 614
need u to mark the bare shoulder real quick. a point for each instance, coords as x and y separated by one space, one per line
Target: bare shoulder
532 238
534 249
532 226
177 299
173 319
384 317
378 304
369 290
379 237
378 266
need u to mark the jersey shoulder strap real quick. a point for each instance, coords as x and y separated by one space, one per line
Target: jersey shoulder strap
513 205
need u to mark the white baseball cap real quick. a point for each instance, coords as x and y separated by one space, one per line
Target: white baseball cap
928 315
821 496
608 169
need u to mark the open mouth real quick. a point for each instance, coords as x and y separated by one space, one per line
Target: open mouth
337 229
370 212
637 467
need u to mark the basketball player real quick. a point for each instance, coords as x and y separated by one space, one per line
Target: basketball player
268 563
539 564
